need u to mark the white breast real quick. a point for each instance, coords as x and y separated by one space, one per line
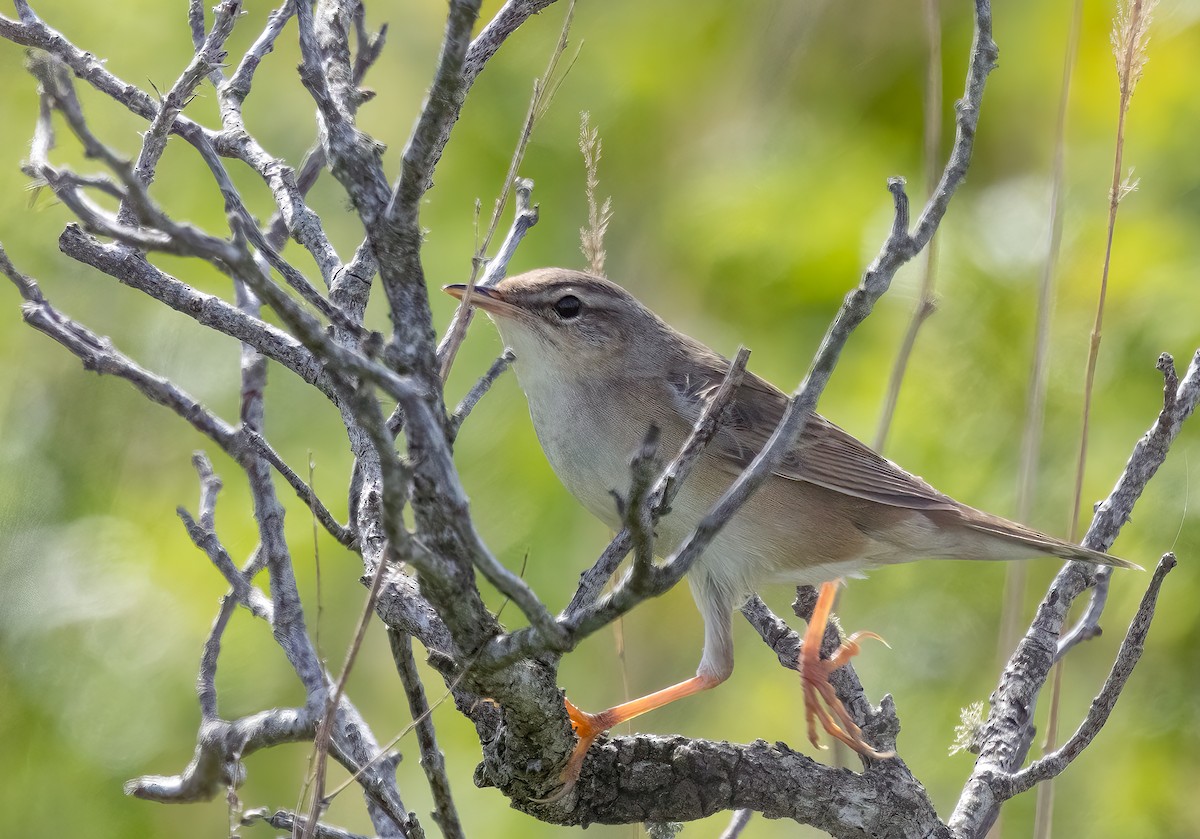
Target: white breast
589 436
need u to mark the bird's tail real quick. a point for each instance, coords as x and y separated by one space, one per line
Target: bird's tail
1015 541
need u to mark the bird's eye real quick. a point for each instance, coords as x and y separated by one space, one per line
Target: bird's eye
568 307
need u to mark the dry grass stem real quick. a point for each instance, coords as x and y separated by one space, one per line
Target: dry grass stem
927 302
591 238
1016 575
1130 36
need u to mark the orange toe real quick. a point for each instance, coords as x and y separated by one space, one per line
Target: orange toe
821 703
587 728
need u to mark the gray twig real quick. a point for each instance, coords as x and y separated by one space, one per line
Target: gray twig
99 355
737 824
1179 401
445 813
210 53
303 490
234 92
243 591
1131 650
329 718
1007 733
297 825
220 748
638 514
510 17
499 366
206 681
524 217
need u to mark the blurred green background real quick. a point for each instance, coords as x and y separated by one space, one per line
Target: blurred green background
746 148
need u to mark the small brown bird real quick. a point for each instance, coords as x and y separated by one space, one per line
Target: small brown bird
599 368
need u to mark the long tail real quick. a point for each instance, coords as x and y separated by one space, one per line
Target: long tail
1014 538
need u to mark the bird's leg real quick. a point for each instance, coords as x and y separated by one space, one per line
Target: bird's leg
716 665
590 726
820 700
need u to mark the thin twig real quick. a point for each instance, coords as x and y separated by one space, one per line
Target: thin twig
926 300
737 824
206 681
1179 400
209 55
291 822
1131 650
445 813
304 489
324 734
524 218
1005 737
499 366
638 514
243 591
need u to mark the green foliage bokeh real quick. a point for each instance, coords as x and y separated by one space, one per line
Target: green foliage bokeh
746 148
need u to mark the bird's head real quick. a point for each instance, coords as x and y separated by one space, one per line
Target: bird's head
560 319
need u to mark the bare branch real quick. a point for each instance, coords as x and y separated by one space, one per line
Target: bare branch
445 812
209 56
737 824
206 682
296 825
206 309
244 593
303 489
235 91
524 217
638 514
324 735
499 366
1054 764
1007 733
510 17
221 746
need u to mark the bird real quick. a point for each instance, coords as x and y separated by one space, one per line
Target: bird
599 369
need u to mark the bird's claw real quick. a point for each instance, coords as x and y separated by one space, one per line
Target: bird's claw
587 728
821 702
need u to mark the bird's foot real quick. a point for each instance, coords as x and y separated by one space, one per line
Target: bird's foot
590 726
821 702
587 728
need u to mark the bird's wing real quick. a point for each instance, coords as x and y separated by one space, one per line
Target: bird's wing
825 455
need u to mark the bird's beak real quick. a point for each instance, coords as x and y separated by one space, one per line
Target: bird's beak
488 299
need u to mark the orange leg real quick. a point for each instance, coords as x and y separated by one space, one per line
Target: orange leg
820 700
590 726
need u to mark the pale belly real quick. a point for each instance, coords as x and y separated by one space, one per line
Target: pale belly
770 540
